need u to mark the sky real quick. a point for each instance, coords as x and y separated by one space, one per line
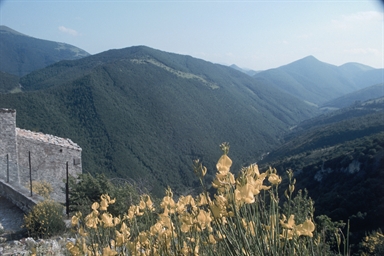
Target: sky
256 34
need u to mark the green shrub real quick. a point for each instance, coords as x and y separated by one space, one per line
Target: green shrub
87 189
45 220
373 244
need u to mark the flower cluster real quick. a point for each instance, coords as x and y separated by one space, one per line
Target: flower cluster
237 220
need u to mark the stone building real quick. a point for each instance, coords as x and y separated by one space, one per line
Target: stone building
47 155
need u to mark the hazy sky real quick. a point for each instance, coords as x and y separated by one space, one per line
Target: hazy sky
251 34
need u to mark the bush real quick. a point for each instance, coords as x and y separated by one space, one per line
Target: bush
87 189
45 220
42 188
373 244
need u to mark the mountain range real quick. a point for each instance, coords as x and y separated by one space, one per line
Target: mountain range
370 92
317 82
146 114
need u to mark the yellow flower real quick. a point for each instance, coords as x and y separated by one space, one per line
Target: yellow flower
244 194
107 251
244 223
74 220
82 232
185 201
168 202
253 170
108 199
220 236
95 206
116 220
91 220
143 238
103 205
120 239
290 224
224 164
74 250
219 206
211 239
142 205
251 228
274 179
223 181
149 203
165 220
107 220
131 212
305 229
204 219
202 200
105 202
257 183
156 229
125 230
186 222
185 250
204 171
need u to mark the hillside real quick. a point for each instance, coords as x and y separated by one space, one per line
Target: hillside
317 82
8 83
22 54
249 72
371 92
339 157
146 114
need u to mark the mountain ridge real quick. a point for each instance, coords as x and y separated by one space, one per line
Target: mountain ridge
142 113
317 82
22 54
371 92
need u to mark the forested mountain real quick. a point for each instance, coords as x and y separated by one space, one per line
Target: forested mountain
8 83
317 82
22 54
146 114
339 157
249 72
371 92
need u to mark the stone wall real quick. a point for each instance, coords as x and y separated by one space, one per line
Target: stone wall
8 146
49 157
19 196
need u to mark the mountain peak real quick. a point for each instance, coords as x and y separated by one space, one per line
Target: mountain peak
5 29
35 53
356 66
309 59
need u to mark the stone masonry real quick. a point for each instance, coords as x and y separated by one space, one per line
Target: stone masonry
8 147
49 156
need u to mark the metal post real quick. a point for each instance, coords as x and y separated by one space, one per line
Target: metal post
67 194
30 170
7 168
